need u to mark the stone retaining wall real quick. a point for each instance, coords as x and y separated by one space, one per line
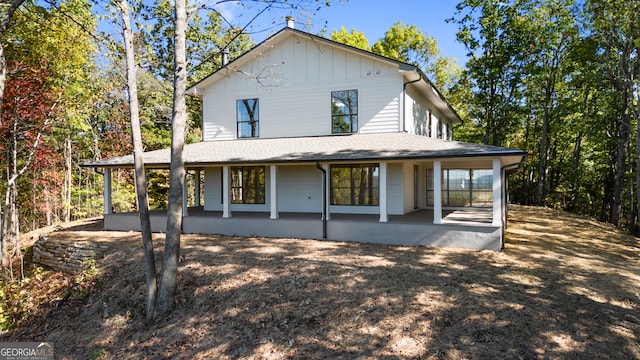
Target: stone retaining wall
66 256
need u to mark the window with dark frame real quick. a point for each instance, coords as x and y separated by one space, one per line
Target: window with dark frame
355 184
463 187
248 117
248 185
344 111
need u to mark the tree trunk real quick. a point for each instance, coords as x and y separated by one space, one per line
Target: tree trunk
575 171
14 229
140 175
637 116
6 13
623 139
67 179
542 156
168 283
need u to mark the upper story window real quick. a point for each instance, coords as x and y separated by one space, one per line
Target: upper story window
248 114
344 111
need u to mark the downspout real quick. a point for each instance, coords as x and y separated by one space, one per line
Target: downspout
324 199
404 101
504 208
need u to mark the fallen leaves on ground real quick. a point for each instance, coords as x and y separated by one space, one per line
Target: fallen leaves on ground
565 287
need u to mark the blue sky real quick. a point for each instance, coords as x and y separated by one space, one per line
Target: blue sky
373 18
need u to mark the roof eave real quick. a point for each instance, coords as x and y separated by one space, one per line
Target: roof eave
328 158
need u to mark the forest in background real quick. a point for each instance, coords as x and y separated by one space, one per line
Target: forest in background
556 78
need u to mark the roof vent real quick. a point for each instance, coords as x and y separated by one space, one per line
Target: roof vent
290 22
225 56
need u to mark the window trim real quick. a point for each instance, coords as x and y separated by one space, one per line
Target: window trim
372 189
259 188
352 127
255 133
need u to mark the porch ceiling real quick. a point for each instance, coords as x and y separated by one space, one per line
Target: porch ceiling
352 147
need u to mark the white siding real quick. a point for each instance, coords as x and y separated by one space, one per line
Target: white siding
215 126
417 117
407 187
417 113
293 83
395 189
213 189
299 189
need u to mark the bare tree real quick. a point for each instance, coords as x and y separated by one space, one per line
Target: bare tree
140 175
168 283
7 9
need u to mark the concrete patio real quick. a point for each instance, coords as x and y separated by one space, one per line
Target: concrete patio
463 228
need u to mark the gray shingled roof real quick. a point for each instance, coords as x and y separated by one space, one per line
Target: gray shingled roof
354 147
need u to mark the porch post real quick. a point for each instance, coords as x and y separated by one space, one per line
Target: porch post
383 191
185 196
108 203
328 184
197 190
437 192
273 191
226 199
497 194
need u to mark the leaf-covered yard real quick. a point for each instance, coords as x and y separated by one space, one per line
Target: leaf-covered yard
565 287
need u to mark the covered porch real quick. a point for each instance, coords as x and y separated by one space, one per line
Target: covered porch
461 228
407 189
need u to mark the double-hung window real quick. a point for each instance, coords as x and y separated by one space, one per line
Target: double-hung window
355 184
248 116
344 111
247 185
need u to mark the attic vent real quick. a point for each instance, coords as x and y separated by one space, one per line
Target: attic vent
290 22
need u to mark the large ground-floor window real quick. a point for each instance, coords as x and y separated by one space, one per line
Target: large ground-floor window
463 187
247 185
355 184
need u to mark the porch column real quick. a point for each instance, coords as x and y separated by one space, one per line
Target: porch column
197 194
505 198
273 191
383 191
437 192
328 185
226 199
108 203
497 194
185 196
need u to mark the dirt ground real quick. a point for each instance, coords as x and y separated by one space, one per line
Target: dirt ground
565 287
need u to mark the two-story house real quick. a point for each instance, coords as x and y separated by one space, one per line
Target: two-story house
308 138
